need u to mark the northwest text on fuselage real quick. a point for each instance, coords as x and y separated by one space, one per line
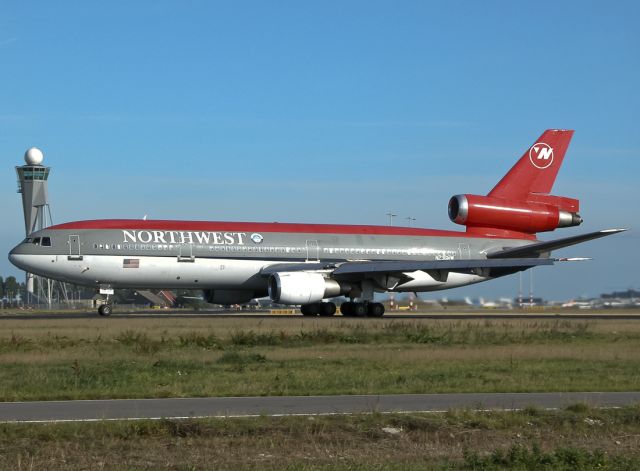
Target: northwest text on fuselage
185 237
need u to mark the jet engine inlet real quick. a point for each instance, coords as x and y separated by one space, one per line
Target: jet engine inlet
458 209
303 288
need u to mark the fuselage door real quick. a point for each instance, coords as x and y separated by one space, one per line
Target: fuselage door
74 248
465 253
313 251
186 253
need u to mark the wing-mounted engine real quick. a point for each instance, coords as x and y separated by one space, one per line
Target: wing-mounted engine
303 287
538 213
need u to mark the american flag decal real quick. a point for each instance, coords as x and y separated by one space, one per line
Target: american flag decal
131 263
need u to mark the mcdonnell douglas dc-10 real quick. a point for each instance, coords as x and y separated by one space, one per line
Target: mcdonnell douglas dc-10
308 264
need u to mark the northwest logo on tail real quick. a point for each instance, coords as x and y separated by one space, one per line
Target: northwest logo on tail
541 155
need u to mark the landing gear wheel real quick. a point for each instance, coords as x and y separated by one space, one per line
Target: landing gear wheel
312 309
375 310
346 309
360 309
105 310
327 309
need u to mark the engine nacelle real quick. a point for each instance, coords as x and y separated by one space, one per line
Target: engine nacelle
228 296
523 216
303 288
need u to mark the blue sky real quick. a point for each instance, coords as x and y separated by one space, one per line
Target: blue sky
330 111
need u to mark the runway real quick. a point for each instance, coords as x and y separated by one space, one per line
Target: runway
444 315
137 409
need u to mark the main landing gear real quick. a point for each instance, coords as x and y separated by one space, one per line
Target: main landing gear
318 309
365 309
348 309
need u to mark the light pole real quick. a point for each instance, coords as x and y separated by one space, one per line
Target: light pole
391 216
410 220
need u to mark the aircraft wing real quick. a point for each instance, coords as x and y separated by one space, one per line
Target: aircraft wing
476 266
540 248
350 269
508 260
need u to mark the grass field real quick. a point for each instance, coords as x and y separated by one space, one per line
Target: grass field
174 357
576 438
119 357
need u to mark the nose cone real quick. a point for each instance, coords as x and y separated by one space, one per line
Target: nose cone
13 258
17 258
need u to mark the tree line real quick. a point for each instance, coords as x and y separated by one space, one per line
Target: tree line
14 293
10 288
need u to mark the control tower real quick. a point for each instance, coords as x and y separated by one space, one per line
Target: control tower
32 184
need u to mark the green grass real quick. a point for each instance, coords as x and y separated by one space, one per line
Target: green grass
241 373
575 438
532 458
88 359
433 333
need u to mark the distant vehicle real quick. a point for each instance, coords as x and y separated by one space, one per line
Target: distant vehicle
579 304
306 264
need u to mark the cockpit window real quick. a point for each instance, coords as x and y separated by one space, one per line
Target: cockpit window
36 241
46 241
28 240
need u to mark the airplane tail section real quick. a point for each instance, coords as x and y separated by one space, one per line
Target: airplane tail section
521 205
537 169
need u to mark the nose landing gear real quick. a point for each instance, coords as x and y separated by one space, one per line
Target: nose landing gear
105 310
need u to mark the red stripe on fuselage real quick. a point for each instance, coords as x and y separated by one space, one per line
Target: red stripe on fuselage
215 226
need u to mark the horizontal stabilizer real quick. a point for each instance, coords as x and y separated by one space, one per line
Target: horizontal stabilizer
535 250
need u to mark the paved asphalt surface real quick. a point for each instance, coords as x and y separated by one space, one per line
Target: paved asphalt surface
51 411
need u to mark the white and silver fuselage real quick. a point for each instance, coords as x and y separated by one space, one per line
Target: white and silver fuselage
232 256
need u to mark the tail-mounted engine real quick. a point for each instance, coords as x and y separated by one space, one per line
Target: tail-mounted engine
539 213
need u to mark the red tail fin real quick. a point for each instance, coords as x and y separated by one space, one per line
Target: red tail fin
520 204
537 169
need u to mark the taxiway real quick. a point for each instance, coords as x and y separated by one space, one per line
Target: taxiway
183 408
